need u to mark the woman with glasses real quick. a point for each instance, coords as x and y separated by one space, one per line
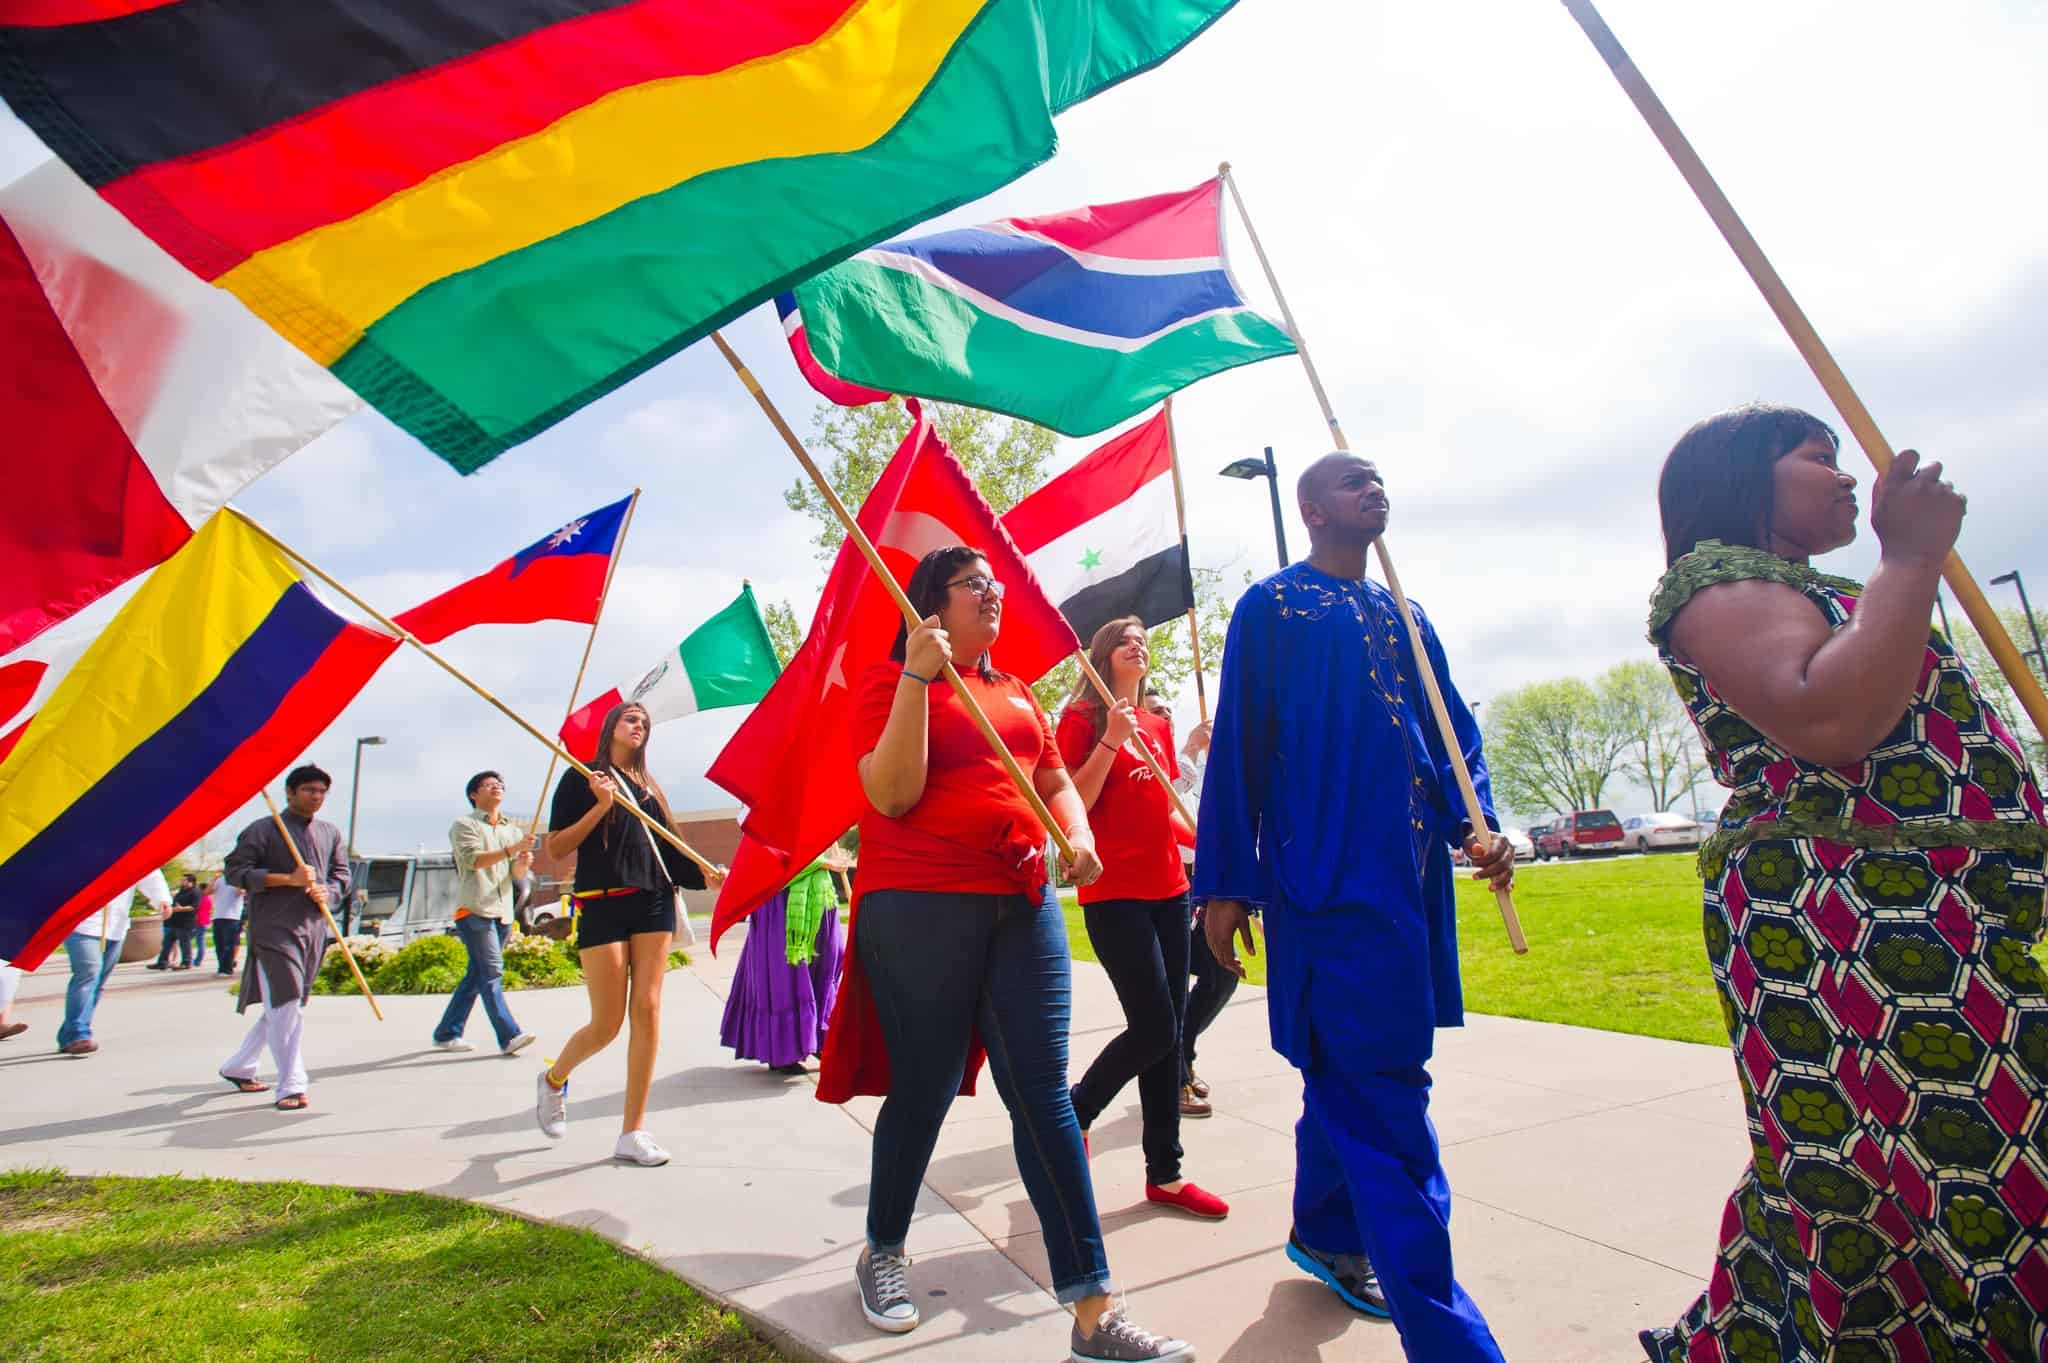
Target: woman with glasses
1137 913
955 949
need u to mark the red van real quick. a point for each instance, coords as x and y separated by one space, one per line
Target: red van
1587 831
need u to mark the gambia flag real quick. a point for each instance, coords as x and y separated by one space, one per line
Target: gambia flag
1076 321
484 214
727 660
1104 538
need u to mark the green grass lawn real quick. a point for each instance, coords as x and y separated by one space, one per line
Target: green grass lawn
210 1271
1614 945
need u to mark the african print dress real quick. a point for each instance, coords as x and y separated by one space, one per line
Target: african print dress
1870 930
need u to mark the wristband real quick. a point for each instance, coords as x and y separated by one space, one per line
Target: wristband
914 677
1100 744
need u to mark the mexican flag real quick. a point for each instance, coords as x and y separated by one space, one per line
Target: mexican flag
727 660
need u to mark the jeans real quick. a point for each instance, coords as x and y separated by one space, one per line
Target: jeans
941 966
1214 984
182 935
227 943
484 939
1143 947
89 971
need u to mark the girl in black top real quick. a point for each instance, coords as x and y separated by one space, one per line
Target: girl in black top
626 879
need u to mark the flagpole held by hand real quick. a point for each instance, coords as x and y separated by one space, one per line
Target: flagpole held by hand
576 687
888 580
1468 793
300 863
1805 339
1137 741
1180 508
632 807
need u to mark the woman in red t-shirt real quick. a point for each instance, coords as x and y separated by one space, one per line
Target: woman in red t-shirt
1137 912
954 936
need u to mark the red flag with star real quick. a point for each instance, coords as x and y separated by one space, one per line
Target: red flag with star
790 763
557 577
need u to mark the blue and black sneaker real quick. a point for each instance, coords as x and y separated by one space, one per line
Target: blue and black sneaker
1350 1276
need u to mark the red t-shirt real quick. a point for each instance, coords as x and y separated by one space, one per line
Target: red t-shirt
969 801
1133 817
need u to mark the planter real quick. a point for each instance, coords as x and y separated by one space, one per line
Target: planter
144 940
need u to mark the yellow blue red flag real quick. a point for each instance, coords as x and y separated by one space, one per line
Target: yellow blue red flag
210 681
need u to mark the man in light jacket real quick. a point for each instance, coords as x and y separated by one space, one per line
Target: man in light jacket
490 852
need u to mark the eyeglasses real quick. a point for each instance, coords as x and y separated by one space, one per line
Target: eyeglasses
980 584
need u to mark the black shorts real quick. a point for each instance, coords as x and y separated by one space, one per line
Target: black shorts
603 921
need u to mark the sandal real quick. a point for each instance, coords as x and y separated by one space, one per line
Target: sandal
292 1102
245 1085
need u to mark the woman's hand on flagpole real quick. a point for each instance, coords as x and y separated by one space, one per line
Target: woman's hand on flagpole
1119 724
1084 867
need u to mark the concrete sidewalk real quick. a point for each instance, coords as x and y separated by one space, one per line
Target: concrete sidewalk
1589 1168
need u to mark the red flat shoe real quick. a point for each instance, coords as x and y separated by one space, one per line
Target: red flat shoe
1190 1199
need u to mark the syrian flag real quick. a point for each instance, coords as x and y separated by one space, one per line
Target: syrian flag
1103 537
727 660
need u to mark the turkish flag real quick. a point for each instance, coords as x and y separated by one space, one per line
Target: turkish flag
790 763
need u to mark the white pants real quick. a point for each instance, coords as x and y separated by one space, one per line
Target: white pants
281 1027
10 980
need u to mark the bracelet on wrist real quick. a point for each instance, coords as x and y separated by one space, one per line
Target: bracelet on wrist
1100 744
916 678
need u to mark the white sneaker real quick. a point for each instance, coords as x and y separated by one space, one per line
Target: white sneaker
637 1147
454 1043
518 1044
550 1107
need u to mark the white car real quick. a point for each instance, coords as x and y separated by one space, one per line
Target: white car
1525 850
1661 833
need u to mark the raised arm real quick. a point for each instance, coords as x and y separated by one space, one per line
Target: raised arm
892 773
1824 694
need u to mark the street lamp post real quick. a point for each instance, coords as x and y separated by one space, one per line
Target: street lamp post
355 784
2040 658
1256 468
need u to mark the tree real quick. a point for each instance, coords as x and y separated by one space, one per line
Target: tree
1552 745
784 631
1005 457
1995 687
1660 754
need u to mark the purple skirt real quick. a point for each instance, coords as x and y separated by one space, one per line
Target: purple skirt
777 1012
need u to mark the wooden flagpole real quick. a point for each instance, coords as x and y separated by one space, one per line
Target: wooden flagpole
888 580
1137 741
1180 508
632 807
1470 796
1805 339
603 595
325 912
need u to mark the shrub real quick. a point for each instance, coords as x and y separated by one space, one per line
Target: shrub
534 962
333 976
427 965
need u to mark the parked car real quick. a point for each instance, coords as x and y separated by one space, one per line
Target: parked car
1585 832
401 898
1537 833
1661 832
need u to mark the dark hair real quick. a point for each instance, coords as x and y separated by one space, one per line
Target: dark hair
1717 480
306 776
927 592
603 763
469 791
1101 645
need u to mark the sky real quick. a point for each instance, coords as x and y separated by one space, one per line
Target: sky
1515 302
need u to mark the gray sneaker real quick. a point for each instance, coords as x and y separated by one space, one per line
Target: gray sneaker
1116 1340
885 1291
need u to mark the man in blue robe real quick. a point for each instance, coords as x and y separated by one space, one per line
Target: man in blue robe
1332 805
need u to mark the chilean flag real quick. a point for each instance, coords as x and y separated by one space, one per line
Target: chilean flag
557 577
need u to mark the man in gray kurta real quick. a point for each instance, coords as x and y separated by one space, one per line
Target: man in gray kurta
284 929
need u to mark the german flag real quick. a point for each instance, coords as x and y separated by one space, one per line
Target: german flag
482 216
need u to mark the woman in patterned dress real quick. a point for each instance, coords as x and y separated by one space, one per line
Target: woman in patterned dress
1873 892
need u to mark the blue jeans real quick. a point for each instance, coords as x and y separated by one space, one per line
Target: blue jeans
484 939
89 971
941 966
